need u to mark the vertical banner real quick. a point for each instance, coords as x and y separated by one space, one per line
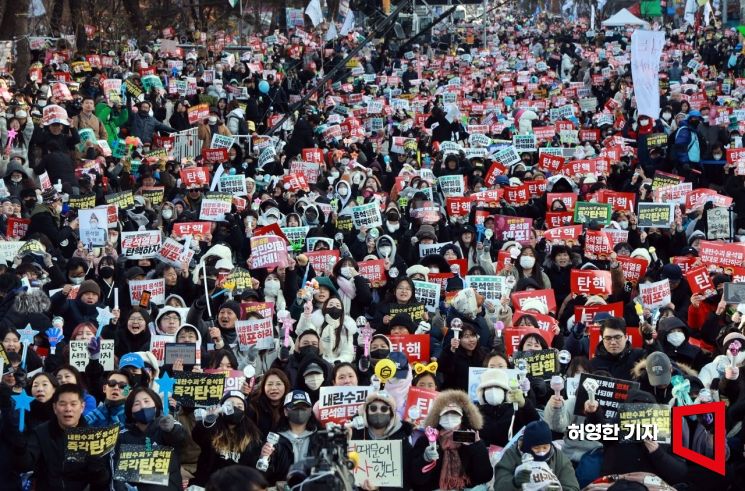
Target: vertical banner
646 50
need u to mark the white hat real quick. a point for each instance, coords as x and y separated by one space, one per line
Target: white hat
534 304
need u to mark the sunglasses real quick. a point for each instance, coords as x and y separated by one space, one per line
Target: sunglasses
375 408
114 383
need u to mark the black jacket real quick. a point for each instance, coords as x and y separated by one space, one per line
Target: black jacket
497 421
621 365
474 458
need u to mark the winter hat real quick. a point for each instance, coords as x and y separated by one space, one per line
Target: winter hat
696 234
233 393
642 253
493 377
536 433
89 286
672 272
426 232
451 247
381 395
50 195
534 304
403 319
133 272
232 305
669 323
658 369
418 269
731 337
326 282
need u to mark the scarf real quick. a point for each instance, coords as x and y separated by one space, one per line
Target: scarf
348 292
452 474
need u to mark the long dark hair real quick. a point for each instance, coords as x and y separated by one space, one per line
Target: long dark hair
537 269
259 399
341 329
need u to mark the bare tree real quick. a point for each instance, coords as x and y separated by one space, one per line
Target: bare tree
14 25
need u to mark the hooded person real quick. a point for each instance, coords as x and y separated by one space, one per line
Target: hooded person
674 335
344 194
307 346
83 308
450 465
168 321
468 306
549 468
398 387
378 419
187 334
497 405
385 248
313 373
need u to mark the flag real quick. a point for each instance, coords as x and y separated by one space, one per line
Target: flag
690 12
707 13
331 32
233 3
313 10
36 9
348 23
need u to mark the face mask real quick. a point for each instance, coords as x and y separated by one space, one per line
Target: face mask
347 271
527 262
379 354
676 338
385 251
666 115
541 456
393 226
41 102
150 113
309 350
271 287
494 396
145 415
167 214
106 272
16 179
298 416
450 421
343 191
334 312
705 119
717 156
233 419
212 120
314 381
379 420
77 281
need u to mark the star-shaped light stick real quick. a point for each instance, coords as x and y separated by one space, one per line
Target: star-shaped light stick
23 404
27 339
165 386
287 322
103 319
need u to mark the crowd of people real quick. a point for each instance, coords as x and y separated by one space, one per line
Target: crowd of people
486 225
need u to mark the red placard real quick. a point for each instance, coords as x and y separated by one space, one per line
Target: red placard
517 195
264 309
556 219
198 230
215 154
458 206
698 197
545 296
421 399
700 281
495 171
685 262
590 282
563 235
634 337
545 322
591 135
536 189
374 271
586 313
569 200
441 278
513 335
503 260
296 182
513 228
597 245
461 264
312 155
323 261
414 346
724 255
550 163
195 176
17 227
735 154
738 274
617 200
634 268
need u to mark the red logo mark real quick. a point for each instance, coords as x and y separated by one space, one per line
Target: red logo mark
716 464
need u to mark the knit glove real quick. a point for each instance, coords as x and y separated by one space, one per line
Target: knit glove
522 474
166 423
430 454
94 348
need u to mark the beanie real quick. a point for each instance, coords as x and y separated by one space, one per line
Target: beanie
89 286
232 305
536 433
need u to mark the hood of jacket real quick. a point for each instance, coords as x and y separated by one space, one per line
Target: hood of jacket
472 418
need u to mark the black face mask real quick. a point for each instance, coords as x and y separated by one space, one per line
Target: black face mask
29 203
334 312
106 272
379 354
233 419
298 416
211 284
378 420
694 124
309 350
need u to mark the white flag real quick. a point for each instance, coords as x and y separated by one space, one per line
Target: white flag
331 32
646 50
707 13
313 10
348 23
36 9
689 14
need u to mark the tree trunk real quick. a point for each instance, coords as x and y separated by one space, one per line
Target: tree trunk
14 25
136 19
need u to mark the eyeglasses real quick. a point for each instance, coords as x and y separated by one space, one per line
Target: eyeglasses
170 316
615 338
114 383
375 408
403 289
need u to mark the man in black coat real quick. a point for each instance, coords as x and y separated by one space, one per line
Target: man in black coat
614 353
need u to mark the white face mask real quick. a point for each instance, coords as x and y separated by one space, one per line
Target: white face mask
450 421
624 225
271 287
212 119
494 396
314 381
527 262
16 179
666 115
347 271
343 190
77 281
676 338
167 213
385 251
150 113
393 226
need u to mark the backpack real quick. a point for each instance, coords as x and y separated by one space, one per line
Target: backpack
242 125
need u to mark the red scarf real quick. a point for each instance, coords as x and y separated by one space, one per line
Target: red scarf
452 474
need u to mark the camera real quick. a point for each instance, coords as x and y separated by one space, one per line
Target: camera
329 470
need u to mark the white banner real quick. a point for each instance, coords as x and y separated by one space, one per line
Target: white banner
646 50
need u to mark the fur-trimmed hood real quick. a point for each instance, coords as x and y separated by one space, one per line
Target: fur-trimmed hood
472 418
639 372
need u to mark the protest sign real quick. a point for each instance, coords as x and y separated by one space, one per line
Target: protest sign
453 185
637 420
590 282
232 184
734 293
513 335
655 294
568 235
255 332
153 194
428 294
221 141
215 154
17 227
428 249
646 51
143 244
545 322
546 296
9 249
597 245
416 312
584 212
723 255
418 403
586 313
156 287
195 177
459 206
699 281
79 356
215 206
718 224
492 287
414 346
82 443
193 389
237 280
264 309
323 261
508 228
663 179
197 230
610 394
143 464
339 404
540 364
123 200
233 378
374 271
173 253
268 251
82 202
379 462
634 268
185 352
367 215
658 215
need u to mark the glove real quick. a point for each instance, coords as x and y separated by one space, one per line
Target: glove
578 329
364 363
166 423
423 328
94 348
284 353
516 395
430 454
522 475
731 373
252 353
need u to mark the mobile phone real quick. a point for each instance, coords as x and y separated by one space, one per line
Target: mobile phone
145 299
464 436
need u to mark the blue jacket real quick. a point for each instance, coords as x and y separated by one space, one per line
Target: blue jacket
106 415
687 144
143 127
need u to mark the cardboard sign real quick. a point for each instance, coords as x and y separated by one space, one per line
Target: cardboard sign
79 356
85 442
418 403
143 464
634 418
541 364
414 346
340 404
268 252
584 212
140 245
198 389
513 336
255 332
658 215
655 294
156 287
374 271
546 296
591 282
610 393
323 261
634 268
380 462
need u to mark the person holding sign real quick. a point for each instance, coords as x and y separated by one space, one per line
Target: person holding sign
147 426
337 331
42 450
497 402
